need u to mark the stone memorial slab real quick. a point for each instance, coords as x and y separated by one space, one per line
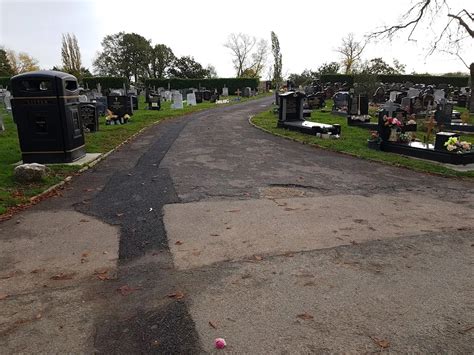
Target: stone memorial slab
177 101
439 95
247 92
2 125
89 116
225 91
412 92
191 99
7 101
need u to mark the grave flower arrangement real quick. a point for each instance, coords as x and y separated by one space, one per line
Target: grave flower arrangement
392 122
455 146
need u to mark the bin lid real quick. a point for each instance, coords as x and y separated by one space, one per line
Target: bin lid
44 74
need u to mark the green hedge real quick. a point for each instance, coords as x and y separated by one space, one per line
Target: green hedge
5 81
337 78
398 78
231 83
425 79
106 82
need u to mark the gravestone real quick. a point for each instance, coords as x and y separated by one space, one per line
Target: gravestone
154 102
412 92
225 91
439 95
167 95
89 116
444 113
206 95
7 101
341 101
247 92
120 105
417 105
358 105
407 104
191 99
134 100
101 103
379 96
394 95
198 95
177 101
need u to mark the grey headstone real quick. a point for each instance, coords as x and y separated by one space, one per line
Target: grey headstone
177 100
225 91
2 126
7 101
413 92
191 99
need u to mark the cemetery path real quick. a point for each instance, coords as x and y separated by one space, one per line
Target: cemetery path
206 227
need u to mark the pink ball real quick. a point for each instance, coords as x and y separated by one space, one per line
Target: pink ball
220 343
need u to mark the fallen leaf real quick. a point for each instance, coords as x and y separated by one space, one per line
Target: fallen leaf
291 209
119 214
178 242
196 253
228 227
84 220
85 255
212 325
3 296
125 290
88 190
310 283
214 235
353 242
38 316
155 343
258 257
381 342
176 295
305 316
233 211
7 276
63 276
36 271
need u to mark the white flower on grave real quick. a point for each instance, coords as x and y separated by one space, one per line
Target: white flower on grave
450 147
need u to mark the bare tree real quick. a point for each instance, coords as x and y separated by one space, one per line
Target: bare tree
259 58
456 33
351 51
71 55
241 46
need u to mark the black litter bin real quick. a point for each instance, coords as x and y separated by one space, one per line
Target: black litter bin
45 107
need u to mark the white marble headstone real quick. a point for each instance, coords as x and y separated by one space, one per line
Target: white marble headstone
225 91
167 95
7 101
2 126
191 99
177 101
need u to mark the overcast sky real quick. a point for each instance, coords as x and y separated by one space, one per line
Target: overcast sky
309 31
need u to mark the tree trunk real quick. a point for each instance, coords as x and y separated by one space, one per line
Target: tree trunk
471 101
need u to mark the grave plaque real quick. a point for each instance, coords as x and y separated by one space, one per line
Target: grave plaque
247 92
406 104
206 95
89 116
225 91
444 113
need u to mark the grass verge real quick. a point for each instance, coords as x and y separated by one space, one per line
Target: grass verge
353 141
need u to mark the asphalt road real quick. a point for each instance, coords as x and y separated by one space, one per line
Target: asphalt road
206 227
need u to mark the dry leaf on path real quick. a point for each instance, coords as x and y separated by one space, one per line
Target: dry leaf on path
176 295
233 211
258 258
214 235
305 316
3 296
383 343
178 242
63 276
125 290
212 325
291 209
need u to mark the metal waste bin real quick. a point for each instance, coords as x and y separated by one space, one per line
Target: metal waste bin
45 108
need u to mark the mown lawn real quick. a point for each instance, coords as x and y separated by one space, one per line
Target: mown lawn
13 194
353 141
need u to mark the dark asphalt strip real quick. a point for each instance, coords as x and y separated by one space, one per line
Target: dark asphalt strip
134 199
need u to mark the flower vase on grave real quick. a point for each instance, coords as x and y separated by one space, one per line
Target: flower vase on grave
393 134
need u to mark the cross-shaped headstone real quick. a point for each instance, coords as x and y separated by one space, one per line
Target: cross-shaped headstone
238 92
390 107
430 124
